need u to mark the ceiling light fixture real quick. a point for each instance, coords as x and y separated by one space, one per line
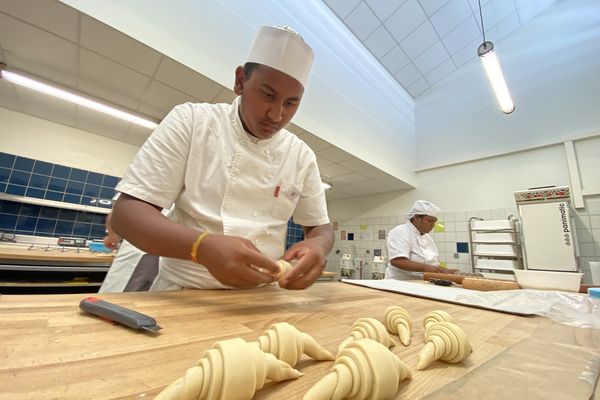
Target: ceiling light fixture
327 185
22 80
494 72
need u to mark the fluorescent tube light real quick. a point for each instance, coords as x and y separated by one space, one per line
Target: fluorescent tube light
327 185
71 97
495 76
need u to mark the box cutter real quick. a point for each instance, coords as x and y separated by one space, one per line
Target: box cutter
122 315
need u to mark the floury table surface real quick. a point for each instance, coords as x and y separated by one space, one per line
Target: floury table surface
50 349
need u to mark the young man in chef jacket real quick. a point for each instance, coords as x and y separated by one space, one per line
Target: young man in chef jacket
236 177
411 250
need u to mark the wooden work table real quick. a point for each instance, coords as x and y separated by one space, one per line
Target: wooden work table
49 349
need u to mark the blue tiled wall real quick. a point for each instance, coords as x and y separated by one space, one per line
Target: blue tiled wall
30 219
22 176
294 234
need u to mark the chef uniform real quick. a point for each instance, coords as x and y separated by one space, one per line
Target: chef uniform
124 264
122 268
406 241
225 181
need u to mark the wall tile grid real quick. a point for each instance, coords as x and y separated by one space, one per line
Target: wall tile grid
30 219
453 242
295 234
21 176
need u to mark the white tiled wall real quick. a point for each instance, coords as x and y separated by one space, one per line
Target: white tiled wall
586 221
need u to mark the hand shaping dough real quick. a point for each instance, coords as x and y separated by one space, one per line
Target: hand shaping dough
287 343
231 370
397 320
444 341
368 328
365 369
436 316
284 267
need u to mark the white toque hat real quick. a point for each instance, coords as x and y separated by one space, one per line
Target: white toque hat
283 49
423 207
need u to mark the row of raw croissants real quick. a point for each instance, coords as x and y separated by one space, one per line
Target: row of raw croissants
364 367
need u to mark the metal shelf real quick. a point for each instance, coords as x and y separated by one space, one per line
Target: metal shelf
504 237
51 268
494 255
49 284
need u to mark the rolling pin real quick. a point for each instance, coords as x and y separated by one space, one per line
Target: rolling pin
487 285
482 284
427 276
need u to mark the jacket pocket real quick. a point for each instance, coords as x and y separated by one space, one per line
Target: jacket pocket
286 201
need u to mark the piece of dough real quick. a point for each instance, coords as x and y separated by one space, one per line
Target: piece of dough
369 328
436 316
397 320
365 369
231 370
444 341
287 343
284 267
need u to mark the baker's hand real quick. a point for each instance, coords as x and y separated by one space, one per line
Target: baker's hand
440 270
449 270
235 261
111 240
311 263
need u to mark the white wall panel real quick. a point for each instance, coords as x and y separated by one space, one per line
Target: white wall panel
40 139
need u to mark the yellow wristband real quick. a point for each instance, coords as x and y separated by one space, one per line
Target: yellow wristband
197 242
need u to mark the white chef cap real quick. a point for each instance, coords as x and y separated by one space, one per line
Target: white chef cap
423 207
283 49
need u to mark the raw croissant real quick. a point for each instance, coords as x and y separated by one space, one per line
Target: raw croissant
284 267
365 369
231 370
287 343
436 316
444 341
368 328
397 320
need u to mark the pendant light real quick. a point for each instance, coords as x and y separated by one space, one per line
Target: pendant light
494 71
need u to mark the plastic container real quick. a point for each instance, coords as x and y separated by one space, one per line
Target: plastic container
594 293
548 280
99 247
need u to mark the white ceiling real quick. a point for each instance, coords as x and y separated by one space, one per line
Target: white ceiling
49 40
420 42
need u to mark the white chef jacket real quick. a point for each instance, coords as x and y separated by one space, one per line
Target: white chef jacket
225 181
124 264
122 268
406 241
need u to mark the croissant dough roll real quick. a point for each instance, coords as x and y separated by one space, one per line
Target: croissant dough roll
436 316
397 320
444 341
287 343
231 370
365 369
284 267
368 328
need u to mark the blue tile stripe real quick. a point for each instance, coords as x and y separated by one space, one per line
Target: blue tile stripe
31 219
22 176
295 234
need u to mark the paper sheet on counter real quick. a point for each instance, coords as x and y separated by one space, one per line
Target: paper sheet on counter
449 294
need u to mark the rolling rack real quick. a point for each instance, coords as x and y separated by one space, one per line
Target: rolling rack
496 249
